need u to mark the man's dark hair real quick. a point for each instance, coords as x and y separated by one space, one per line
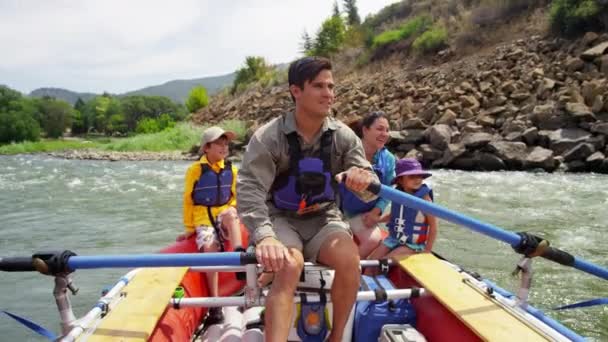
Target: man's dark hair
367 121
306 69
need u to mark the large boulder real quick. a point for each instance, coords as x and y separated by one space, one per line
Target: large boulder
476 140
512 153
580 112
600 127
530 135
489 162
439 136
450 154
562 140
579 152
539 157
409 136
595 52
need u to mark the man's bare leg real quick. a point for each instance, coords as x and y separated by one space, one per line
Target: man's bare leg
279 302
340 253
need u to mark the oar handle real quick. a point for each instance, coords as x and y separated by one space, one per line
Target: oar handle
16 264
559 256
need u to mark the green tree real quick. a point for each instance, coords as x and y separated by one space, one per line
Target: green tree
8 95
54 116
197 99
330 37
307 43
17 127
254 70
335 12
352 12
18 117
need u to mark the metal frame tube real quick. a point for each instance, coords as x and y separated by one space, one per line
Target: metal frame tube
242 301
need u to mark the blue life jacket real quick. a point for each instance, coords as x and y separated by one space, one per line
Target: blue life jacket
350 203
409 225
308 180
213 189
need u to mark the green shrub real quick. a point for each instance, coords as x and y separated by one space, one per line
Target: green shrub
432 40
146 125
407 30
179 138
197 99
574 17
17 127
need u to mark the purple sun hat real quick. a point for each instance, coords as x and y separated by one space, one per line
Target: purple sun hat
409 167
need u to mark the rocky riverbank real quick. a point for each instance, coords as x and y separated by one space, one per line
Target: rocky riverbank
539 103
93 154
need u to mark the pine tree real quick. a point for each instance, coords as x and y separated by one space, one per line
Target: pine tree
307 43
352 13
336 10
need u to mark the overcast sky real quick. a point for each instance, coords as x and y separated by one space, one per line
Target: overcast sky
116 46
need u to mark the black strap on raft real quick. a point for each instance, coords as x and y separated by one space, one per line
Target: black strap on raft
384 266
380 292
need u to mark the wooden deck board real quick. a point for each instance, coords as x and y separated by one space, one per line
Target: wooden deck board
147 296
487 319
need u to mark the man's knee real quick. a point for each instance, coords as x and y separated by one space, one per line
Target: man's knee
290 273
340 252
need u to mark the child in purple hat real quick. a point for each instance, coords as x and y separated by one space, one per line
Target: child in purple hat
410 231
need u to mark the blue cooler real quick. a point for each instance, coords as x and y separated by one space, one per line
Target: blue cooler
370 316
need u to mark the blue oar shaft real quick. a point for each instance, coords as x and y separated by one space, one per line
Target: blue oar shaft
411 201
476 225
591 268
154 260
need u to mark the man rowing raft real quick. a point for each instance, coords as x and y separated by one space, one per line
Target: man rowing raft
286 196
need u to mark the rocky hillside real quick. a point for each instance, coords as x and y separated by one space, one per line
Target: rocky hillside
538 103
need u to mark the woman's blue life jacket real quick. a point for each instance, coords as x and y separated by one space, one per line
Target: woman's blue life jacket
349 202
308 180
213 189
409 225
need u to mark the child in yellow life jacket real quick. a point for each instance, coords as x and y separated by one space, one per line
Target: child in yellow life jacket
210 201
410 231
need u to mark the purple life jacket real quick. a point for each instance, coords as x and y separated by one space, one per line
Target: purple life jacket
308 180
213 189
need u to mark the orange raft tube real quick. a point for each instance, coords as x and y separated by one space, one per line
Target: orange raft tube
179 325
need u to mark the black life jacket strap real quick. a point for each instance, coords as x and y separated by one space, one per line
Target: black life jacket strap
220 238
326 145
295 152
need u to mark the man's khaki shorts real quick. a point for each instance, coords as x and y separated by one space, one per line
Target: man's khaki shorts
309 234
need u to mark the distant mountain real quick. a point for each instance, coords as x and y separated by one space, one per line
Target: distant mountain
63 94
177 90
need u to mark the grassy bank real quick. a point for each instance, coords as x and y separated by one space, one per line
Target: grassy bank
179 138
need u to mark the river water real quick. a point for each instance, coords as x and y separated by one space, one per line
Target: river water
99 207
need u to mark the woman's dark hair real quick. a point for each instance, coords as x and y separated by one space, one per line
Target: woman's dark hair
306 69
367 121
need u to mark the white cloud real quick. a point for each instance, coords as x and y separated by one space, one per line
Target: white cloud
124 45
